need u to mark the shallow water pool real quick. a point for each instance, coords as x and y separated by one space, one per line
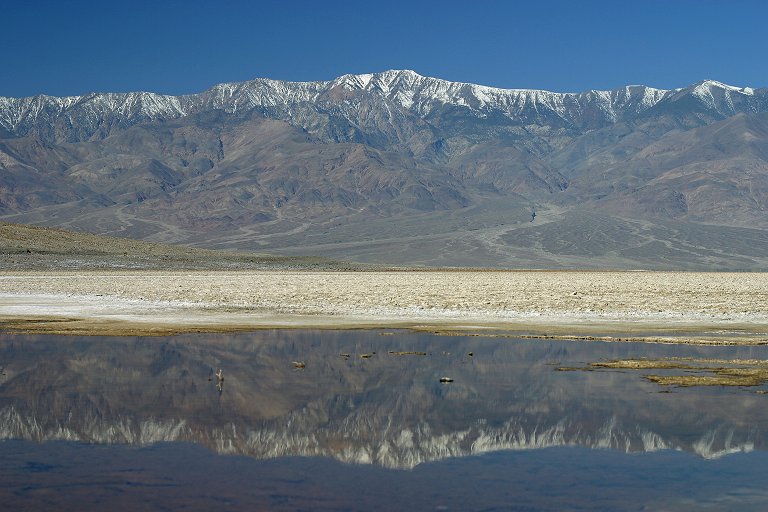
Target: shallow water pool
360 420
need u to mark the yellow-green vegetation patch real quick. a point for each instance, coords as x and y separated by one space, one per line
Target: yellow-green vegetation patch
742 377
697 372
644 364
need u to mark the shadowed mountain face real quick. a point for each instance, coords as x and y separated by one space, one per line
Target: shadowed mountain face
398 168
388 408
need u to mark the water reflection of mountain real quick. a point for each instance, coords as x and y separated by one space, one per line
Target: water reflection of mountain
387 409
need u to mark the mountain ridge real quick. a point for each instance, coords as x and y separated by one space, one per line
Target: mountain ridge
406 87
450 173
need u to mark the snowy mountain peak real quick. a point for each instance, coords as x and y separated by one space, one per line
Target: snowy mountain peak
382 81
723 100
708 88
709 84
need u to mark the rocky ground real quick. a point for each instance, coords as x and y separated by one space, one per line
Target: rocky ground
707 307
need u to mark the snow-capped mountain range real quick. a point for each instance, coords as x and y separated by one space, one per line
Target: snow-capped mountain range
406 89
346 167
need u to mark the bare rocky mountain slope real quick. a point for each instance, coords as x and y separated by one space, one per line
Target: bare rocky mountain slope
399 168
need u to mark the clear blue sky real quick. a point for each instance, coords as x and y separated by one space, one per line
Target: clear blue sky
67 47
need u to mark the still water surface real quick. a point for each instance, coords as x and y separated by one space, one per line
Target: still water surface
364 423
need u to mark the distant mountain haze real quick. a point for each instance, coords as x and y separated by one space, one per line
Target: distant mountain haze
398 168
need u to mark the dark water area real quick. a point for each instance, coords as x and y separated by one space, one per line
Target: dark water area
360 420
